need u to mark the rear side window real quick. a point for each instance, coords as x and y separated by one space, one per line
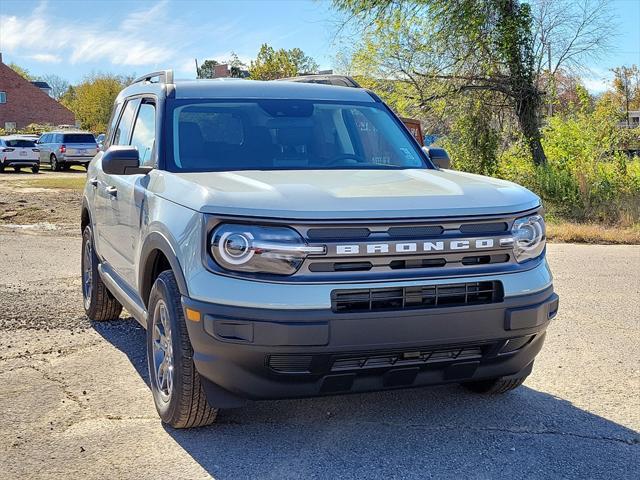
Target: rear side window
20 143
123 131
79 138
144 131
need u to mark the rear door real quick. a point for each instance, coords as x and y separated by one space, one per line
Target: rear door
42 145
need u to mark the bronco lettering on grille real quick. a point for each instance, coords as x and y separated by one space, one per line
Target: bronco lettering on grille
390 248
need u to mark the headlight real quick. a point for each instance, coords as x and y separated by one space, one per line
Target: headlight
529 237
258 249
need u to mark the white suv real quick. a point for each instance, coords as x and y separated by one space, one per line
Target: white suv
282 239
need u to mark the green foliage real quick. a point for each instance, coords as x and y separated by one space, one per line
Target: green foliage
587 177
207 69
271 64
23 72
92 100
473 144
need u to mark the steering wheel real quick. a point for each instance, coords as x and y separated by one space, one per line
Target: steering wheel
346 156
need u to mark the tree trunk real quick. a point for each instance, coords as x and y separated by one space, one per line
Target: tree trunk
527 113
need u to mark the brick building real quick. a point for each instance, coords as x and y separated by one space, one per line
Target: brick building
22 103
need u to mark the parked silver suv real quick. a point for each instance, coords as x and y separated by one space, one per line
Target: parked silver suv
62 149
282 239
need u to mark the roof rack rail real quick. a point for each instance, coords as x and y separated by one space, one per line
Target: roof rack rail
164 76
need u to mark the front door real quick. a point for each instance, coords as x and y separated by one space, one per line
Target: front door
128 202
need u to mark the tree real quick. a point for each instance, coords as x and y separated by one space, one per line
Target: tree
460 47
207 69
626 84
23 72
92 100
58 84
271 64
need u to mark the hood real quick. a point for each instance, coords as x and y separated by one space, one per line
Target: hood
343 194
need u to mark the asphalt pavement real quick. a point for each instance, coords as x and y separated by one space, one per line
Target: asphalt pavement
75 402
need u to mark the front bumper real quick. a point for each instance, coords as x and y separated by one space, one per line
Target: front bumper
252 353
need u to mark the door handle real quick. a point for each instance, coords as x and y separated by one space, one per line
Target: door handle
93 181
111 190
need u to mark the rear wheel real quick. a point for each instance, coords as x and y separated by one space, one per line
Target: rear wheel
35 168
175 383
55 165
99 303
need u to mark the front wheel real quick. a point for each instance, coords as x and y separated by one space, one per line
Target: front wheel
177 391
35 169
16 169
494 386
99 303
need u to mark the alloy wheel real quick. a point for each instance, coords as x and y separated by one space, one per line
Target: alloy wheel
162 351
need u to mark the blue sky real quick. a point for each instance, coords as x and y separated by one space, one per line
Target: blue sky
73 38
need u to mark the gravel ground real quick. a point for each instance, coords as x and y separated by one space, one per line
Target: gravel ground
75 400
40 210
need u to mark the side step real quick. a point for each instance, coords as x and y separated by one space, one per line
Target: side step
124 294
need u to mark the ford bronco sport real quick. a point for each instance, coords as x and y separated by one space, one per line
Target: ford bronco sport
283 239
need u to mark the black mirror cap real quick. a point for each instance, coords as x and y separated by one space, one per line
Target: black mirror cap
123 160
439 156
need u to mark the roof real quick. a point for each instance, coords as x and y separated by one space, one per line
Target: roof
238 88
234 88
42 85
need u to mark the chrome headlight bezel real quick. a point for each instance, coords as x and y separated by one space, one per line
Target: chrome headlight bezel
529 237
270 250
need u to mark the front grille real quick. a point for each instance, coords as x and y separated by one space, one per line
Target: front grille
420 297
408 358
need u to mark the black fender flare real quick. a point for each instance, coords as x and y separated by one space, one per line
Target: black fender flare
156 241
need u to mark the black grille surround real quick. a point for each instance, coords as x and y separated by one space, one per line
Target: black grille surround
395 264
416 297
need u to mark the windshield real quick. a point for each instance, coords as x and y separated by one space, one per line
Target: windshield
288 134
79 138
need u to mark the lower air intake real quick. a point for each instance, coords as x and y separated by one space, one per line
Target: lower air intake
420 297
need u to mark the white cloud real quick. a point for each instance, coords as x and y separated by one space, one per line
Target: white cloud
46 58
597 80
134 42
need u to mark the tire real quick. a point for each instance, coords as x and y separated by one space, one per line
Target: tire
35 169
1 168
177 391
55 165
494 386
99 304
16 169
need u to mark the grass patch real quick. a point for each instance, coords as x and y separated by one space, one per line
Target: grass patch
592 233
69 183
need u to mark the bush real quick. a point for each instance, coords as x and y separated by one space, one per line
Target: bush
573 186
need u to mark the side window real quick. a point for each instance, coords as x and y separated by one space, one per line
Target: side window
123 131
58 138
144 131
117 108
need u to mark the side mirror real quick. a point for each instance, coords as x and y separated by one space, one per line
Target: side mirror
438 156
123 160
